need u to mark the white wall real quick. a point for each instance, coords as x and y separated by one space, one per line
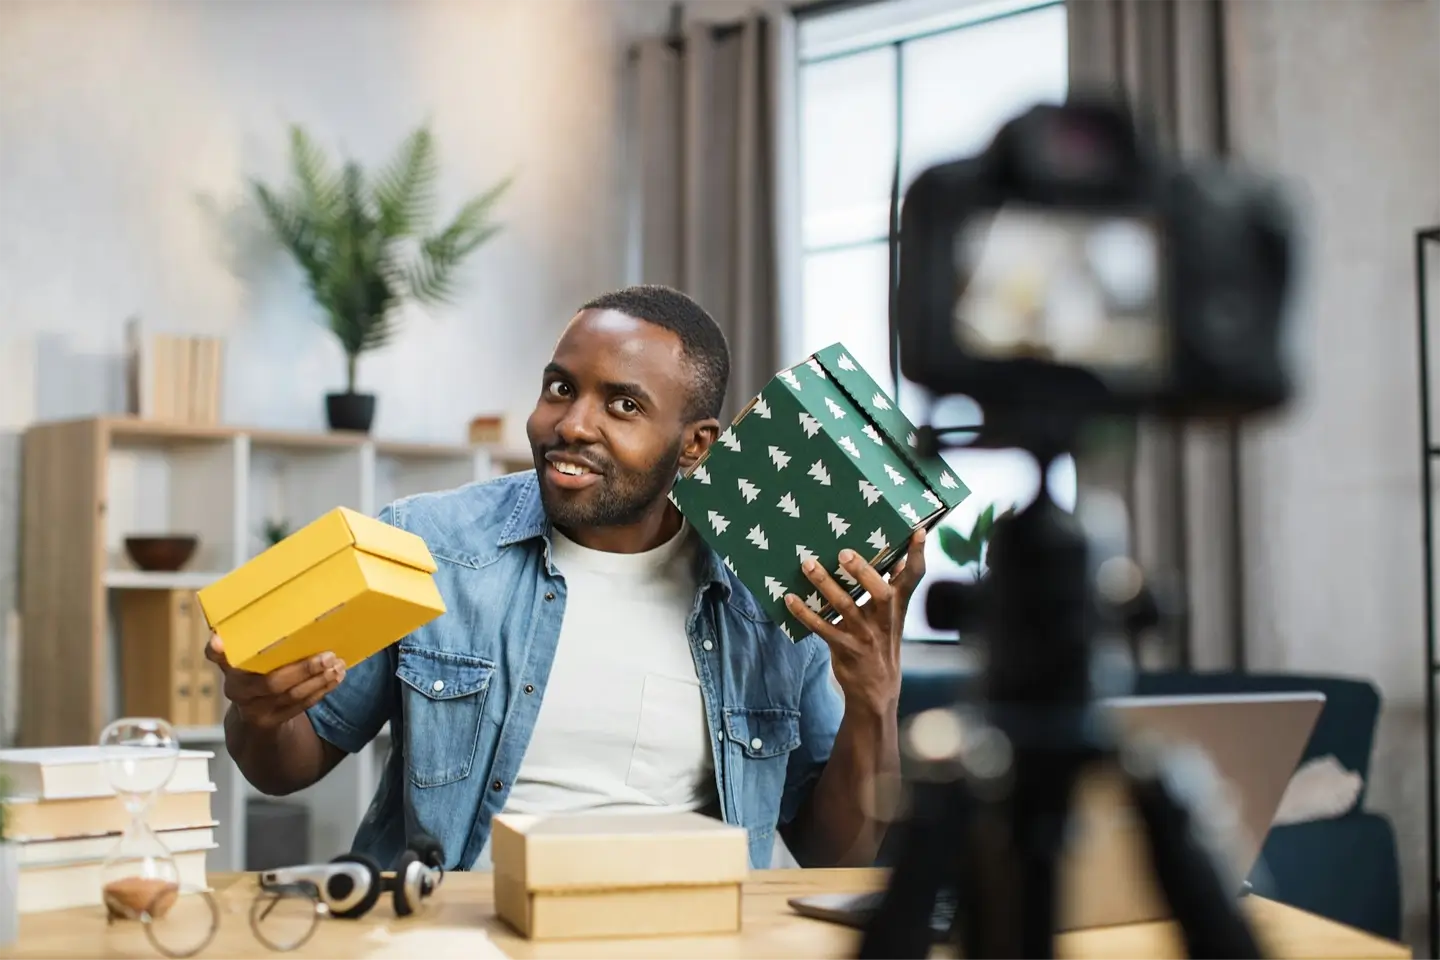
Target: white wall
1346 100
115 115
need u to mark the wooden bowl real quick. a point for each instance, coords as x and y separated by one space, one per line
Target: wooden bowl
168 553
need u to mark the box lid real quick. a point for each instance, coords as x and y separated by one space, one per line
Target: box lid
612 851
311 545
885 413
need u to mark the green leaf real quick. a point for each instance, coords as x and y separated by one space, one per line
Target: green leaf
958 547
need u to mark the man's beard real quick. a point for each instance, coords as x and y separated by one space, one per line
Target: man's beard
621 497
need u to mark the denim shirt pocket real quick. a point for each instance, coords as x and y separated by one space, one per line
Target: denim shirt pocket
765 738
444 704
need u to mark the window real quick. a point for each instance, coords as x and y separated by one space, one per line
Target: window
885 89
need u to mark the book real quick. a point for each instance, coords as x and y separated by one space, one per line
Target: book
53 773
79 884
28 819
38 853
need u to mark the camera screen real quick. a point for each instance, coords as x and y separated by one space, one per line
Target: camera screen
1066 287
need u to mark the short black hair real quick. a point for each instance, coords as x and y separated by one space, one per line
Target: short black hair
701 337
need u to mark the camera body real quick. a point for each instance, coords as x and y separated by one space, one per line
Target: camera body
1069 269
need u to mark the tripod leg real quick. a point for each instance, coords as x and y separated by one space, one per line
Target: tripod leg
1204 905
927 860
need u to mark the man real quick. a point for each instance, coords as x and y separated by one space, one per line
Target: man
595 653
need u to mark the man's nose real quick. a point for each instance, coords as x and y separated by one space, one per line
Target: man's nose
579 426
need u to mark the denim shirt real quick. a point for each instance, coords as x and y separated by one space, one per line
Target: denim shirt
461 693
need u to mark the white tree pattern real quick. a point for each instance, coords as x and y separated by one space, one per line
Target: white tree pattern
788 504
810 425
837 524
818 471
757 537
748 490
718 522
779 457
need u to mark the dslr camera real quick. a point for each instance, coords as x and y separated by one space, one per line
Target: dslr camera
1070 269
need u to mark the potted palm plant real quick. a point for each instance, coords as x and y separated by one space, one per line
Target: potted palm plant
367 247
9 879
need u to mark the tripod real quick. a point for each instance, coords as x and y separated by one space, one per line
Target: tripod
989 819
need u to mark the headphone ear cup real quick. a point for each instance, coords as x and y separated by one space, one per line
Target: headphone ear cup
408 862
372 887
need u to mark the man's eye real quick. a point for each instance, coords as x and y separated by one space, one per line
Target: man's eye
626 406
558 388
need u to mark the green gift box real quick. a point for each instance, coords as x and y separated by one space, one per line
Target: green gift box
822 459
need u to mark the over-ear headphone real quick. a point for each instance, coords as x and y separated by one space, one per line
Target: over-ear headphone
351 884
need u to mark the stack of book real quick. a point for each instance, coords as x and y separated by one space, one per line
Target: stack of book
65 816
175 378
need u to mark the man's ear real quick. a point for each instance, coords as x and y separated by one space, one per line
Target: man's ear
698 437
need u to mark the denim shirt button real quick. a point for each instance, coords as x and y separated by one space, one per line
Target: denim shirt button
438 685
708 645
550 595
756 744
497 786
529 688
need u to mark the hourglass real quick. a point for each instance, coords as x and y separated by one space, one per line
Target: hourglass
140 879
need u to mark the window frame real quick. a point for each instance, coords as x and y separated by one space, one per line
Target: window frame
927 19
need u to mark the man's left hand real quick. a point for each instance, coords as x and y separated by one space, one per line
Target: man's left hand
865 642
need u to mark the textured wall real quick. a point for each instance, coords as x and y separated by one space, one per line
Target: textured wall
1344 97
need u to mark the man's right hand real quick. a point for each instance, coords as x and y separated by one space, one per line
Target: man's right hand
266 701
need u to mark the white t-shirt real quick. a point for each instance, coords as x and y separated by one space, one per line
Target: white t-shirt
622 725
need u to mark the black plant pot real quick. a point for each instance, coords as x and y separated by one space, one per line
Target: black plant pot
350 411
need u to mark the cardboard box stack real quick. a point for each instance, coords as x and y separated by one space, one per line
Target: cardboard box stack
64 815
618 875
345 583
821 460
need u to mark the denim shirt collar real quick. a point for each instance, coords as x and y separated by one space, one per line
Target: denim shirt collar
527 521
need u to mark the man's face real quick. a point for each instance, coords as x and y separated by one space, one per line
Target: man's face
609 430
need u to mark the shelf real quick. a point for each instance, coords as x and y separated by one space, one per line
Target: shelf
153 580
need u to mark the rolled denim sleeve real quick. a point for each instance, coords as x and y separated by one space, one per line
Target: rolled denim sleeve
821 709
353 713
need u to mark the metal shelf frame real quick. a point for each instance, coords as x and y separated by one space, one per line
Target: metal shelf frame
1429 450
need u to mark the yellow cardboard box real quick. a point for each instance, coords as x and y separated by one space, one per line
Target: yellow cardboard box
345 583
618 875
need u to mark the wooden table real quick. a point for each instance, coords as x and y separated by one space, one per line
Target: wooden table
460 922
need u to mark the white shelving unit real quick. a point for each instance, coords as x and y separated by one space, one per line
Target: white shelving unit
99 481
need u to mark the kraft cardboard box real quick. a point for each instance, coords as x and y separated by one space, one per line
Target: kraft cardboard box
618 875
344 583
820 460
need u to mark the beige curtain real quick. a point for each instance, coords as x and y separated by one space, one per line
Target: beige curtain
1167 58
704 202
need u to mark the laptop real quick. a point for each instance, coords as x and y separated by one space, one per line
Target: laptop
1253 743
